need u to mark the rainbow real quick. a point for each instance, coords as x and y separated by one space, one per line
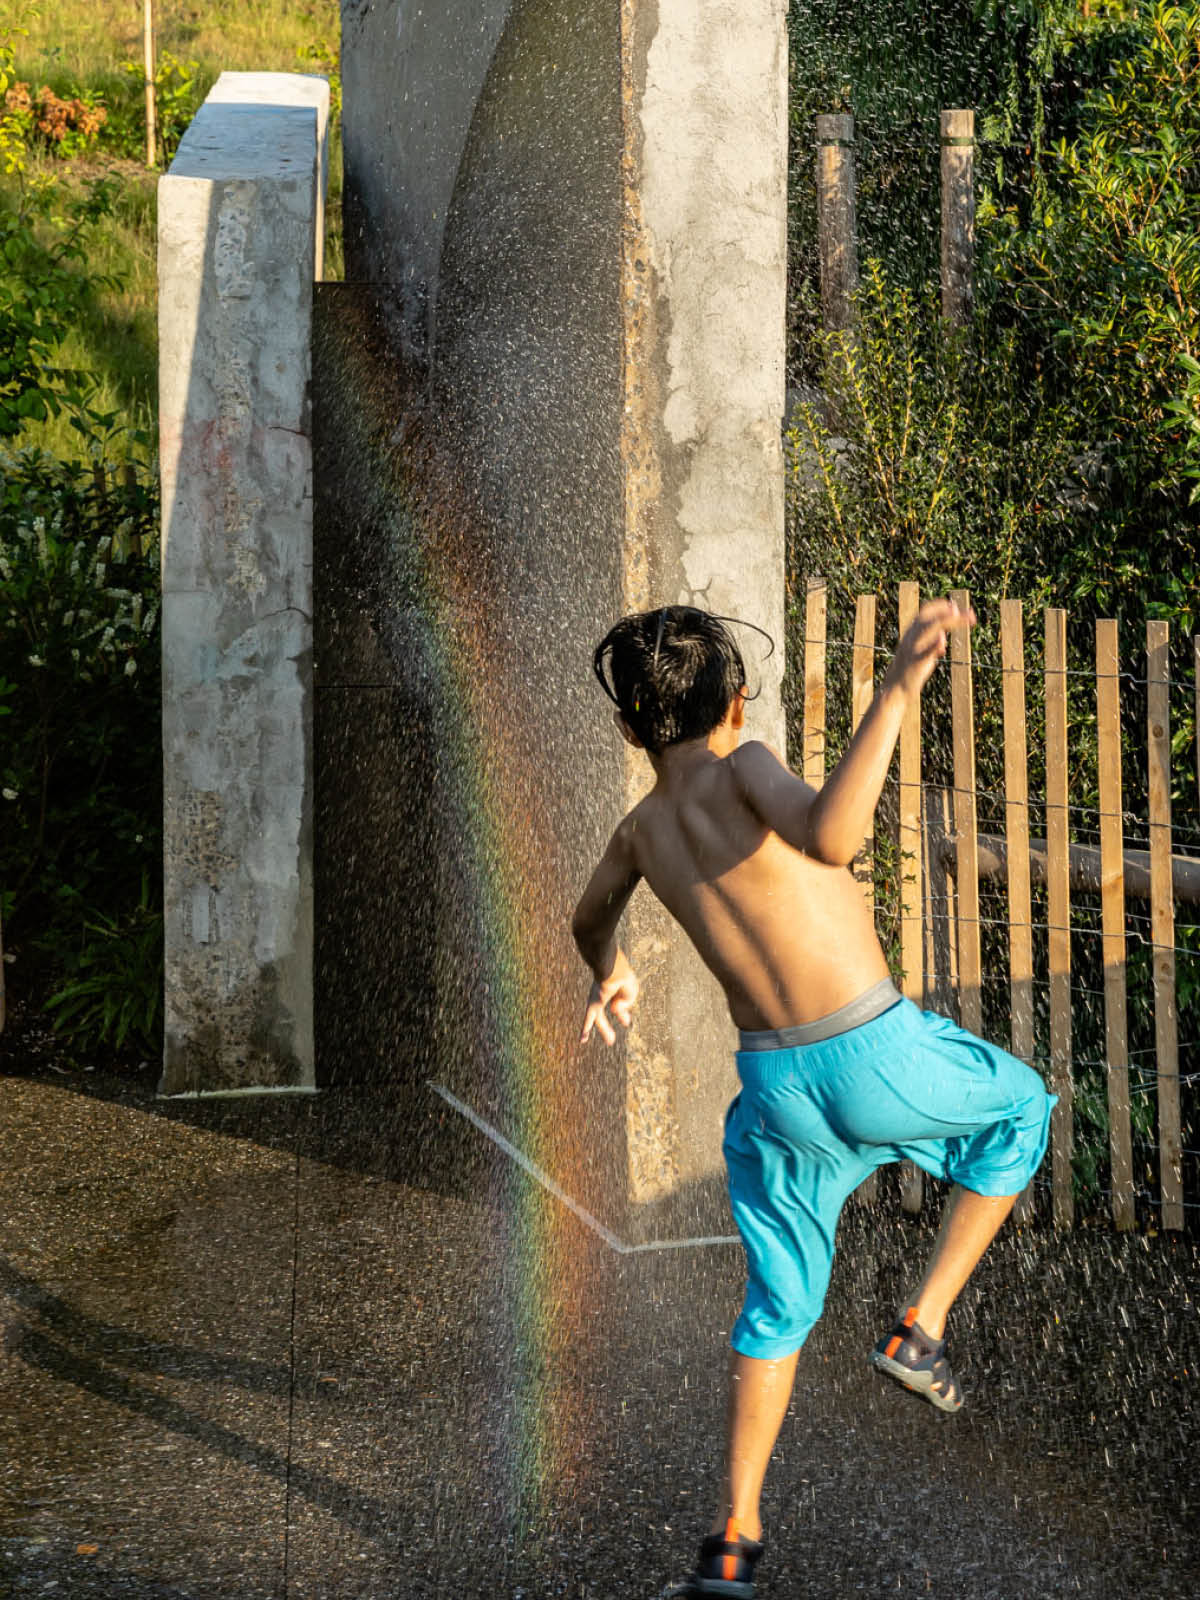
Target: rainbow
509 988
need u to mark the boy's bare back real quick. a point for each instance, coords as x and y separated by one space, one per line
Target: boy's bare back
788 938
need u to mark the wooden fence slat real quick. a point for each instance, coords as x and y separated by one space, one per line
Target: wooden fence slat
941 957
1112 912
909 841
814 682
862 690
970 990
1016 831
1016 827
1058 885
1162 924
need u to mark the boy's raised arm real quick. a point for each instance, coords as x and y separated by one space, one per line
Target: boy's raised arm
830 824
594 927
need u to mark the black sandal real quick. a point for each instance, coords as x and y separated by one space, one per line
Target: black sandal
919 1363
725 1570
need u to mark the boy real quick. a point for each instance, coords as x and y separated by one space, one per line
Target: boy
838 1074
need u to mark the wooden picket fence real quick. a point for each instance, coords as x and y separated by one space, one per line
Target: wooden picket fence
942 858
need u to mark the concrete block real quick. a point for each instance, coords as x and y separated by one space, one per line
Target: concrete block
238 238
296 89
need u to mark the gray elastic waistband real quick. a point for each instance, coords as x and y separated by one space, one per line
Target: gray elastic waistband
873 1002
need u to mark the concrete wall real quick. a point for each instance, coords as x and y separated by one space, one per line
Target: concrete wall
576 217
239 223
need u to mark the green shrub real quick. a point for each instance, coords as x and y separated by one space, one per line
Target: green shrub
113 990
46 276
929 458
178 92
80 767
1102 275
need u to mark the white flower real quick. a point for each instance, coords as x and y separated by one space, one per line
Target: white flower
36 661
130 667
9 794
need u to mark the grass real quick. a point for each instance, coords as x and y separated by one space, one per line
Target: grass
81 47
88 38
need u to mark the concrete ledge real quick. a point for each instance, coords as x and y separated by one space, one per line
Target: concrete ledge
297 90
239 231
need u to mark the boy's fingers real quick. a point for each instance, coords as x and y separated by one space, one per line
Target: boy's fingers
594 1017
946 614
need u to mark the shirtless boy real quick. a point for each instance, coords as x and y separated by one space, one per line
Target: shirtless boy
839 1075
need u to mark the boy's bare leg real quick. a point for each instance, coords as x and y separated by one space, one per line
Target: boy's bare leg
759 1392
970 1222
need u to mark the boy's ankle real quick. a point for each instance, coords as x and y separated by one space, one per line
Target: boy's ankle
931 1320
731 1527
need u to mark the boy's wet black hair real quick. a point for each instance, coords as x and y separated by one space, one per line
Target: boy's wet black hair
674 672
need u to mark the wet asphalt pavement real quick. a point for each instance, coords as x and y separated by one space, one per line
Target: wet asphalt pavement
337 1346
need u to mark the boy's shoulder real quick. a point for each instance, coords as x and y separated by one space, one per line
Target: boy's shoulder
755 759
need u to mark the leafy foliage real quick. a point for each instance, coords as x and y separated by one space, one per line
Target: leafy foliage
80 768
45 275
1105 275
113 993
928 458
178 92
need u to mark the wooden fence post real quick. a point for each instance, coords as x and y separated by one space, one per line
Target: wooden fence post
151 106
909 841
1058 882
836 225
862 692
966 828
958 216
814 682
1112 911
941 923
1016 829
1162 924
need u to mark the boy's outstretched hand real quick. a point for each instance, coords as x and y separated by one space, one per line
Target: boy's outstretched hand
617 993
924 644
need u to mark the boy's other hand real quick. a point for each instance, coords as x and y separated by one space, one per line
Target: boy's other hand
617 994
924 643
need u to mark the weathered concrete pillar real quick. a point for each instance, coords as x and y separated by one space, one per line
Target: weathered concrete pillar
239 225
703 289
578 217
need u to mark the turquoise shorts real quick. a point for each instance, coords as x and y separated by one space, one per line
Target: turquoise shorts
813 1120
